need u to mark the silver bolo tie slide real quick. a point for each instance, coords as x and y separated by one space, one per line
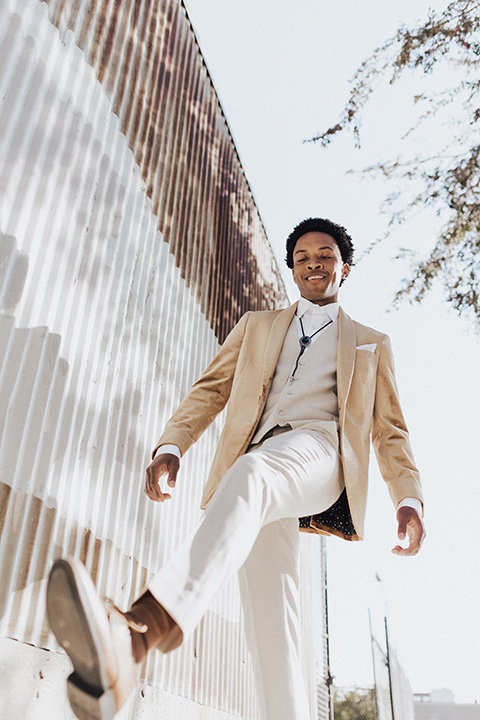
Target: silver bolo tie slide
305 342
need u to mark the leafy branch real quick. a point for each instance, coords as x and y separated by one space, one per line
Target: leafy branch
449 180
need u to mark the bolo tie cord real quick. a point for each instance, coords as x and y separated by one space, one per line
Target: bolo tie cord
305 341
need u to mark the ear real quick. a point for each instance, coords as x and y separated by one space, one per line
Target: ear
293 275
345 270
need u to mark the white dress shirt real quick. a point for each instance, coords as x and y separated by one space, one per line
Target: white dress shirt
314 317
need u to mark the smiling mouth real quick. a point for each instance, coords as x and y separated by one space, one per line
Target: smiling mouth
315 277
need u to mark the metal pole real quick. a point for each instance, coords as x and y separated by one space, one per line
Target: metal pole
377 713
328 676
389 667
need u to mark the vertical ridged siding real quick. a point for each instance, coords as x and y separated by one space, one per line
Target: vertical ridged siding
146 57
129 245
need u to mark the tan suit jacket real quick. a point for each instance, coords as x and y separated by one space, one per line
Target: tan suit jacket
369 409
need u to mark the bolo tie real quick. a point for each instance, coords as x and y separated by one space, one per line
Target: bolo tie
305 342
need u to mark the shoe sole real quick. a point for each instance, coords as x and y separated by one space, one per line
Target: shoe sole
72 605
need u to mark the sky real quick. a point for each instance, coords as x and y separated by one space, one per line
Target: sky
282 71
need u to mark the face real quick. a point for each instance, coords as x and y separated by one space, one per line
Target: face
318 267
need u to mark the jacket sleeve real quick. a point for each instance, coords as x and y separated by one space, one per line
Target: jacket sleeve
207 397
390 436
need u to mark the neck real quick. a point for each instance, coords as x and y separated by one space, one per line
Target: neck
320 303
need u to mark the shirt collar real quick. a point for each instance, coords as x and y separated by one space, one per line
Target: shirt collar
305 306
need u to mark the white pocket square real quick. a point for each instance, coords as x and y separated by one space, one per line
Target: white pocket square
369 348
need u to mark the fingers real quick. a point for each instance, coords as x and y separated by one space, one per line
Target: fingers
172 474
410 525
163 464
402 528
409 551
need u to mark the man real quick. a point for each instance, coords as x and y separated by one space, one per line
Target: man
307 389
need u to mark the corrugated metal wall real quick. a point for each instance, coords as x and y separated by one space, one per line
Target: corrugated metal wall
146 58
130 244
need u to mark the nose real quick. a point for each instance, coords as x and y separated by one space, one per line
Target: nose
314 263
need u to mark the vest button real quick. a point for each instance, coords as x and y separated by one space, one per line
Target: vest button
281 412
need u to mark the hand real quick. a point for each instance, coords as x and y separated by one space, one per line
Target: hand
163 464
409 524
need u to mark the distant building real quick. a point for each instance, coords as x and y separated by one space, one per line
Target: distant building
441 705
443 696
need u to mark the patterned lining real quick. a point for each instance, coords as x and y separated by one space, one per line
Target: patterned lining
336 518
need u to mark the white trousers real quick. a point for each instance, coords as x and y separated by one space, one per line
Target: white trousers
251 527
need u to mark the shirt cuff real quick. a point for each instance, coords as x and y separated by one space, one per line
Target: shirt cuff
172 449
413 503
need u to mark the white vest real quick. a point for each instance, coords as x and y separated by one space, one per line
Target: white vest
312 396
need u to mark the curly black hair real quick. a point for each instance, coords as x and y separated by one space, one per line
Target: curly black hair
339 234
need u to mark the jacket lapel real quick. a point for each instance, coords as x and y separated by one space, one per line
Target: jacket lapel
347 341
274 343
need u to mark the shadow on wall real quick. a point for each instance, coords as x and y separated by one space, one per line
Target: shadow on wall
51 477
32 381
34 432
25 519
29 421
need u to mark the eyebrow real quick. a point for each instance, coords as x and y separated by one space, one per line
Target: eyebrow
324 247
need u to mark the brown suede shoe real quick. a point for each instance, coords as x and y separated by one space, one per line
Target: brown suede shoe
157 628
98 643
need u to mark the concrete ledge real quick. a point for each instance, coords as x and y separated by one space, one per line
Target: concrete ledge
32 687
